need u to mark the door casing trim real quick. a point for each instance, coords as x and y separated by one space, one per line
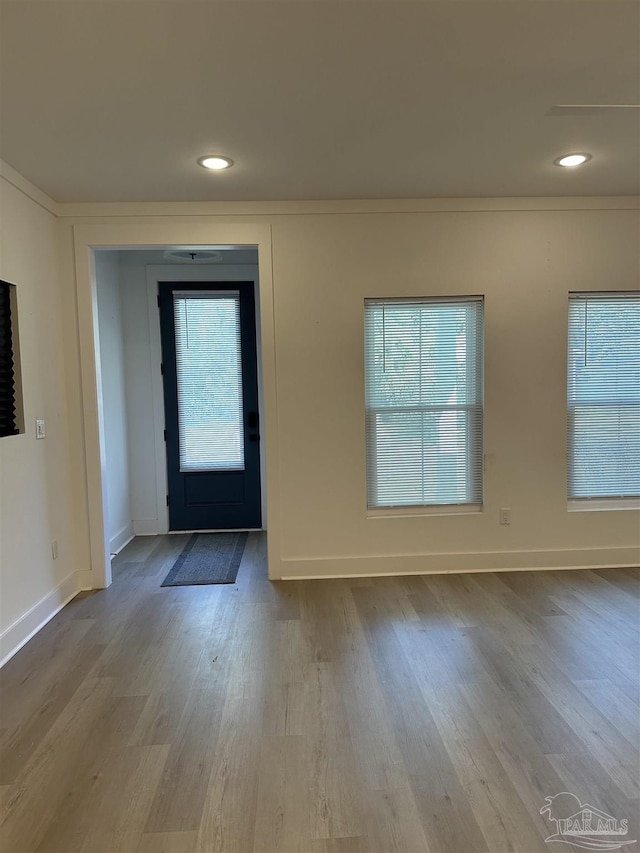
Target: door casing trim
205 233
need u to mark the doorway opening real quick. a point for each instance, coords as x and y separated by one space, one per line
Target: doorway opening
180 390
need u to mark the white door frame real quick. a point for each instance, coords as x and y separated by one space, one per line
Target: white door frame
205 233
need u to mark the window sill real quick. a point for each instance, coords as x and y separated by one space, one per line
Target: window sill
416 511
603 504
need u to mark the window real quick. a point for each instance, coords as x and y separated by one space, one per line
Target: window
209 379
8 404
603 419
423 392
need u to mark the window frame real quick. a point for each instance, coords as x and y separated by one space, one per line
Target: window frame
595 501
476 349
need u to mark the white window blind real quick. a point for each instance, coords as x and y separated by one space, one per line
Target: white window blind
424 401
209 380
603 419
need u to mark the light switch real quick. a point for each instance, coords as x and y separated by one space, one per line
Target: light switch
40 428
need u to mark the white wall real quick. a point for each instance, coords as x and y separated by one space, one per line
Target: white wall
35 497
110 330
524 256
525 263
141 416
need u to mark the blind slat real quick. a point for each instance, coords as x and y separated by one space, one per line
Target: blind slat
424 410
603 395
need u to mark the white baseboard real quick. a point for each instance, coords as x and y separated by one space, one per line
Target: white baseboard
455 563
13 638
148 527
121 539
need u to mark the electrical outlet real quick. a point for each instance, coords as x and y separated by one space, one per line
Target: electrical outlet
54 549
505 515
40 428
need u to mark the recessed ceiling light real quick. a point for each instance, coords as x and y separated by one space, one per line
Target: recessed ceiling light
570 160
215 162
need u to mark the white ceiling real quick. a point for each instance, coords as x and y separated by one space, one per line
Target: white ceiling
110 100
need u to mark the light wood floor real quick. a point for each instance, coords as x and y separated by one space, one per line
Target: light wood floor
342 716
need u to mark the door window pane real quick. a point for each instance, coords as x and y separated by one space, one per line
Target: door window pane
209 380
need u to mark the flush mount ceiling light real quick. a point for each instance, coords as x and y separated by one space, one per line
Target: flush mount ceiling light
572 160
215 162
193 256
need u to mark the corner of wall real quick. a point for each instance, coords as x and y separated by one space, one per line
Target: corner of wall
18 634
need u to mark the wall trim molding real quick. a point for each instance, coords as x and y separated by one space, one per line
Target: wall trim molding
106 210
121 539
13 638
27 188
458 563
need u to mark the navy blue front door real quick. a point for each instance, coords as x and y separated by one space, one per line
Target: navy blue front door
208 333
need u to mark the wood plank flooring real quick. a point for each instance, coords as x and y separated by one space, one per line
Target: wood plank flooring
408 714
